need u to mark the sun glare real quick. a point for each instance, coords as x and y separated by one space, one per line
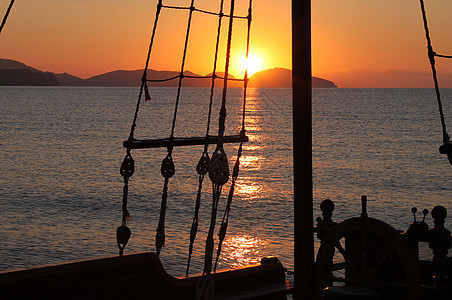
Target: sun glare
252 64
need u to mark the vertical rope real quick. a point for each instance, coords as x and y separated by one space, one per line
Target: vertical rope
160 235
5 17
203 164
181 76
195 223
431 56
245 79
235 173
209 241
168 162
167 170
219 169
143 79
222 118
224 222
123 232
217 43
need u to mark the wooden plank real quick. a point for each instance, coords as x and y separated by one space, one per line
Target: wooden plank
137 276
185 141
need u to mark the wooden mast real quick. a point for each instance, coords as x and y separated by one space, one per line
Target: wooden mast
305 286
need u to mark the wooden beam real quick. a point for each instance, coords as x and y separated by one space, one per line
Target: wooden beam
305 285
185 141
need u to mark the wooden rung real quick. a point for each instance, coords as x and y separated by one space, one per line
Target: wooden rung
444 149
186 141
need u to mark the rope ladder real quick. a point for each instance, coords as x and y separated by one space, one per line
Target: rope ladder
215 166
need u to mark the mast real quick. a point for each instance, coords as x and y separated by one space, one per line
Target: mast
305 286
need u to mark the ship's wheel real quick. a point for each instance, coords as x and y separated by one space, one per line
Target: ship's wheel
369 254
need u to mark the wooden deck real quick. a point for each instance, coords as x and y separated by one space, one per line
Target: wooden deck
137 276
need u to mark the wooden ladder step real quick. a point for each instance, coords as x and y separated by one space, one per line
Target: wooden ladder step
184 141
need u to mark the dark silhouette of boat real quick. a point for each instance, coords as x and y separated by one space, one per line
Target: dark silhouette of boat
378 261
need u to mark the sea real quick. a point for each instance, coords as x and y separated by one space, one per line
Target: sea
61 149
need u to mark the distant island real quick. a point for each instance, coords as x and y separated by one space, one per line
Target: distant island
14 73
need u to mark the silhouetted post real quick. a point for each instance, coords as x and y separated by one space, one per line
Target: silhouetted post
440 243
305 287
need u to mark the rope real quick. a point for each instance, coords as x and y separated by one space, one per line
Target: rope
222 118
190 16
217 166
143 79
224 223
5 17
193 77
123 233
431 56
203 165
167 170
209 241
205 287
235 173
219 169
245 79
160 235
220 14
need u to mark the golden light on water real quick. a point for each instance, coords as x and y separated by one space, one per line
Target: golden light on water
243 250
248 189
251 147
250 162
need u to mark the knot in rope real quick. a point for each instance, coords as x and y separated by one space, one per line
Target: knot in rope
167 168
128 166
431 55
123 234
203 164
223 230
219 168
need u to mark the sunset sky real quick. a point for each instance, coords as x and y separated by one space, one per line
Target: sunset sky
355 43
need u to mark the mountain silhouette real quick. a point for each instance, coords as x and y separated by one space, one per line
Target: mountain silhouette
272 78
14 73
282 78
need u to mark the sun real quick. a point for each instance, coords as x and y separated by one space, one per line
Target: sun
252 64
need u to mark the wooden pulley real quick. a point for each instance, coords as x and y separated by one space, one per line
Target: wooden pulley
167 168
203 164
123 234
128 166
219 168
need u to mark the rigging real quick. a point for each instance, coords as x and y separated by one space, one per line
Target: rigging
5 17
217 166
447 147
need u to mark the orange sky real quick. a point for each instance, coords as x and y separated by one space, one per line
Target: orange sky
355 43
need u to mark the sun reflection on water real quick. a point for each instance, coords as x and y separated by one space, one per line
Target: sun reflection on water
247 188
250 162
242 250
251 147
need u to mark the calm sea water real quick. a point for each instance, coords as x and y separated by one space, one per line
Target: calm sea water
61 148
